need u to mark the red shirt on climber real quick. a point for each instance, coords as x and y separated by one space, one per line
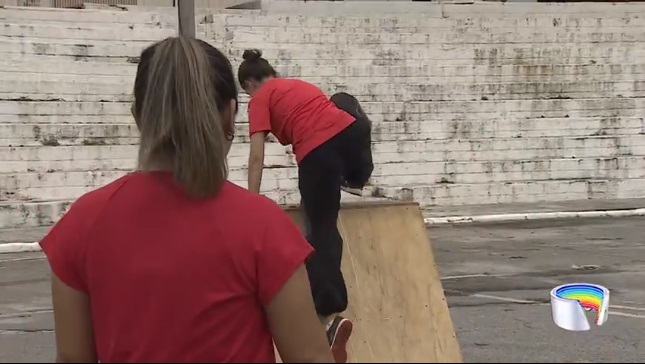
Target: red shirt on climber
297 113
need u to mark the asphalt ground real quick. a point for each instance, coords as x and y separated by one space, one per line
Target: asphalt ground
497 279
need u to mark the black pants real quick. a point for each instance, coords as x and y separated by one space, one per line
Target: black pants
347 156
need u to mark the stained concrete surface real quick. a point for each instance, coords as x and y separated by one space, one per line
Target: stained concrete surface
533 207
497 279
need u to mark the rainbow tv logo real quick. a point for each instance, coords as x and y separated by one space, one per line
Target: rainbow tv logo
569 302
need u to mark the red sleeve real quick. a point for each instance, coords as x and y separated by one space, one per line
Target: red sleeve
259 114
65 249
282 251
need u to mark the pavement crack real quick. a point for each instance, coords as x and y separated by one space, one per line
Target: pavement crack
24 281
24 331
25 313
484 304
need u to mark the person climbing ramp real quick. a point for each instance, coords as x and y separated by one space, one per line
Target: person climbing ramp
329 146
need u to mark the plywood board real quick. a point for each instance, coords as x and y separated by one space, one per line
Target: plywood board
397 302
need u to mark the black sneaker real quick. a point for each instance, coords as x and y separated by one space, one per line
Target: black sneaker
357 191
338 333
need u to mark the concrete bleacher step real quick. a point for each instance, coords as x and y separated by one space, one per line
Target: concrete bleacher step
28 214
166 17
124 32
74 48
547 112
19 63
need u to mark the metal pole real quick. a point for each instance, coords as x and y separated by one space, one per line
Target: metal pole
186 12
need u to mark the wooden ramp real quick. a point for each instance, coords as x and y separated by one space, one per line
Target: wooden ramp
395 295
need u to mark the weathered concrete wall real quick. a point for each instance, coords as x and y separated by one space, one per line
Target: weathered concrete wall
494 104
212 4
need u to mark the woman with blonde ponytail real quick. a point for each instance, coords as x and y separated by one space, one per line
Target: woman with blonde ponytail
173 263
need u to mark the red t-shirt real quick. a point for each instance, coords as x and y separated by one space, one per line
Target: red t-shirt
173 279
297 113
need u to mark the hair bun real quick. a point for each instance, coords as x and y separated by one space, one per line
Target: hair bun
252 54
